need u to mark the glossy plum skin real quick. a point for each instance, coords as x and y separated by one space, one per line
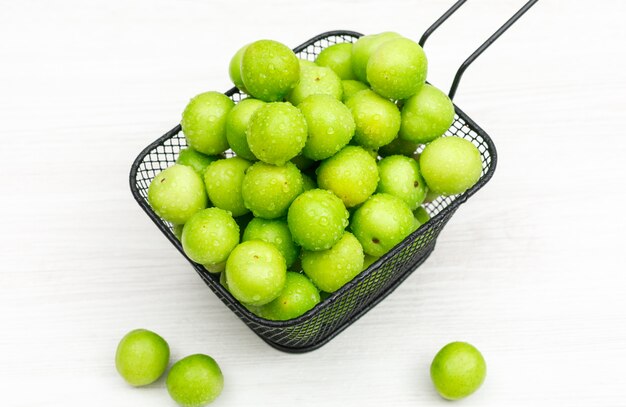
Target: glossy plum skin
400 176
223 180
204 122
273 231
297 297
177 193
458 370
426 115
141 357
209 236
195 381
377 119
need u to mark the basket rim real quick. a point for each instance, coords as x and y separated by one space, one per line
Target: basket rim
210 279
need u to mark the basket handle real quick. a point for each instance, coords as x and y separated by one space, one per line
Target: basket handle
479 50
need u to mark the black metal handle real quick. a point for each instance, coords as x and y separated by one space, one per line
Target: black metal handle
479 50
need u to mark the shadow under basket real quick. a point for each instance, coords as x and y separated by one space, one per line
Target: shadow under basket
342 308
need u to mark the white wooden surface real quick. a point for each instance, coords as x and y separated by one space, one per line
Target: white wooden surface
531 270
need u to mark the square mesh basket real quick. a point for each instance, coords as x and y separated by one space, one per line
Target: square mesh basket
342 308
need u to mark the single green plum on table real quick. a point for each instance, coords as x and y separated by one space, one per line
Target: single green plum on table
209 236
317 219
255 272
277 133
331 269
223 180
204 122
195 381
141 357
269 70
458 370
177 193
268 190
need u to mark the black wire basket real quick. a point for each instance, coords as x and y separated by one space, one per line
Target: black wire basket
342 308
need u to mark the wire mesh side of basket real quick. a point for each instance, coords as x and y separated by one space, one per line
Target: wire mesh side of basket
344 306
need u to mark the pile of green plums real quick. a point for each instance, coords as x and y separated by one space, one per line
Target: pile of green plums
299 187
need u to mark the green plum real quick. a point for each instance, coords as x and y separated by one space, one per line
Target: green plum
234 68
277 133
177 193
256 272
195 381
273 231
458 370
316 80
223 180
178 231
381 223
399 147
397 69
426 115
331 269
298 297
421 214
450 165
364 48
237 123
329 123
142 357
377 119
204 122
194 159
369 260
317 219
400 176
308 183
351 87
209 236
351 174
338 57
269 70
268 190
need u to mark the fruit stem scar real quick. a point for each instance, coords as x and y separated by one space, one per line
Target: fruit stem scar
375 240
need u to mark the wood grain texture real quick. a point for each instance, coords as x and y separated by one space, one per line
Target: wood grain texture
530 270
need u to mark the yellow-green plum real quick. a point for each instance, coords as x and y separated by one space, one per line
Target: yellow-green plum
209 236
331 269
450 165
268 190
377 119
397 69
400 176
273 231
458 370
315 80
277 133
329 123
421 214
223 179
298 297
426 115
234 68
269 70
337 57
351 174
399 147
351 87
141 357
255 272
195 381
177 193
194 159
237 123
317 219
381 223
204 122
364 47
